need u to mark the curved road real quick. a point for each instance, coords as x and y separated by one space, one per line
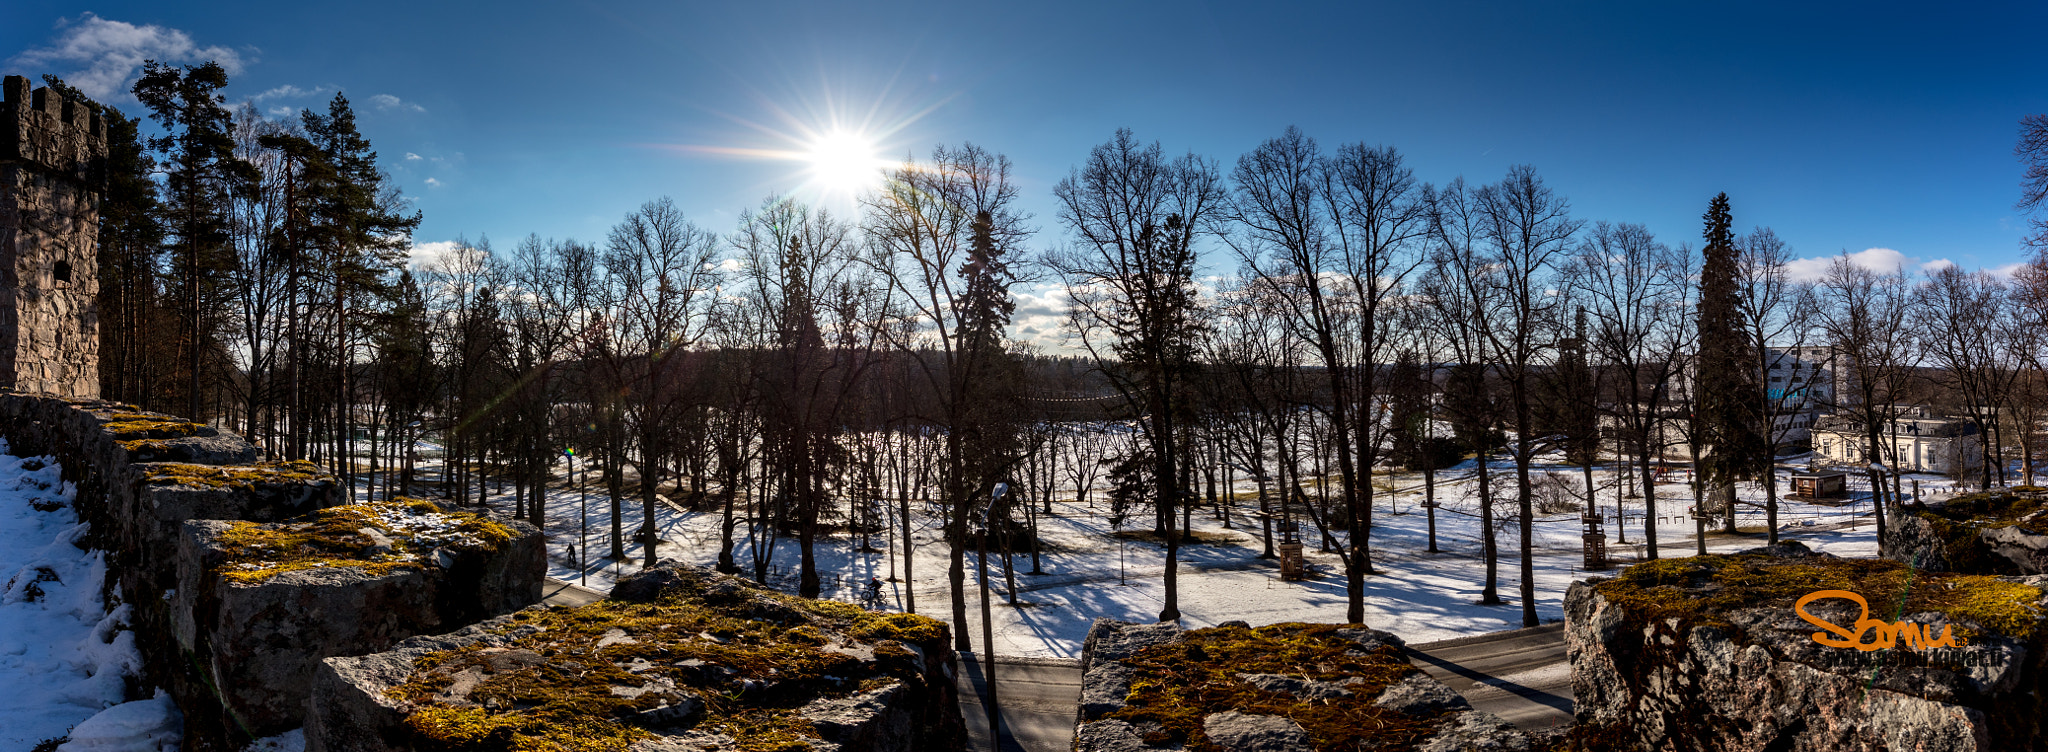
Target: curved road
1520 675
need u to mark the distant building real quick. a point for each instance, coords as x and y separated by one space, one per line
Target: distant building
1798 384
1917 442
1819 484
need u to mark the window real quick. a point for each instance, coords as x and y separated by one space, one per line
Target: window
62 272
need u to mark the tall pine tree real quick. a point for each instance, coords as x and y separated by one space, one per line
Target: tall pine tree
200 172
1726 412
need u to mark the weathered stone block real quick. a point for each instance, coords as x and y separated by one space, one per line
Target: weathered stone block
1711 653
259 605
2001 532
695 661
1314 686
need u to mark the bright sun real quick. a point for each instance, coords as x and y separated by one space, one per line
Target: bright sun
842 161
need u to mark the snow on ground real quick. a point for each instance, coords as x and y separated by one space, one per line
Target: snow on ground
68 659
1089 574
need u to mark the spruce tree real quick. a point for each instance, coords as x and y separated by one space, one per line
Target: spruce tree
1724 388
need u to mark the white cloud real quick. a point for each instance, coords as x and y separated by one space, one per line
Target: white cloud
1880 260
2006 272
282 111
411 157
389 102
1041 315
289 91
102 58
431 254
432 183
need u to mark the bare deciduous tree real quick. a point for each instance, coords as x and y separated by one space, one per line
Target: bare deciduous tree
1134 216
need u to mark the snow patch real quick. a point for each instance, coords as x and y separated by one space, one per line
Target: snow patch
152 725
68 660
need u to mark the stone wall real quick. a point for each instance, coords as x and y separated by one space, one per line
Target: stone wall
1710 654
679 659
258 606
150 485
52 174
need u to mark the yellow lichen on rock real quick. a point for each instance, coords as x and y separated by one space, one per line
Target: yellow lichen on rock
241 477
1178 684
137 426
590 675
1703 589
334 537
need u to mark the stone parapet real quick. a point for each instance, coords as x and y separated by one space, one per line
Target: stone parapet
258 606
679 659
160 495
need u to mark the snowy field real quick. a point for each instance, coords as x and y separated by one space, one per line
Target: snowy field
1089 574
66 660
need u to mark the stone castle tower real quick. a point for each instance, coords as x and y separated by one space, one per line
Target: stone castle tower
53 156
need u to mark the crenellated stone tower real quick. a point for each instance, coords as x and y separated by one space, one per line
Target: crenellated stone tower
53 156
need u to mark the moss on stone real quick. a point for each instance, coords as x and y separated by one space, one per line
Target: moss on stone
753 657
1177 685
1990 508
1701 590
242 477
137 431
477 729
255 552
904 627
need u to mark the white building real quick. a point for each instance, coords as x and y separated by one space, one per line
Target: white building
1917 442
1798 384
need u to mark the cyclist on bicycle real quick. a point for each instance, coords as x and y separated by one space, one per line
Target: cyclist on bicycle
874 590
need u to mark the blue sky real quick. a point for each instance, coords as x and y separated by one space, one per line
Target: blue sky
1843 127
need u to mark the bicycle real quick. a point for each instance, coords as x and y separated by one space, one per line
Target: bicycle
871 597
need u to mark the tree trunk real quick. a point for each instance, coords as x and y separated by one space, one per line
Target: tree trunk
1489 594
1524 430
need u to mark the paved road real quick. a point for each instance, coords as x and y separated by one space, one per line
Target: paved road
1039 697
558 593
1519 675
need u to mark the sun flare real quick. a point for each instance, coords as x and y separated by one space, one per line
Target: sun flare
844 161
